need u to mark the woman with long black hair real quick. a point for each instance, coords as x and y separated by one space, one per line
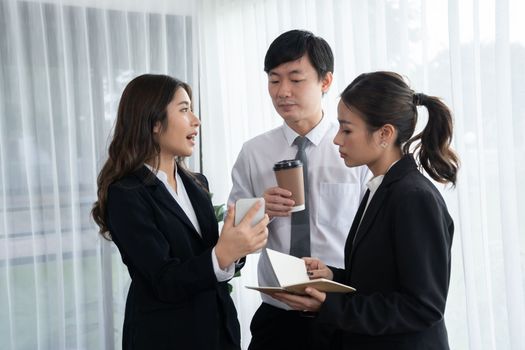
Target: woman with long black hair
160 216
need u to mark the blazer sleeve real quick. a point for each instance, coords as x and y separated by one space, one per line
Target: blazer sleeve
422 241
339 274
146 251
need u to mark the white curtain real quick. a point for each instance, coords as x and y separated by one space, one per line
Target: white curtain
62 69
469 52
63 65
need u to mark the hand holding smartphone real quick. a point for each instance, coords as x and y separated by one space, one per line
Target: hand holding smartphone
237 242
243 205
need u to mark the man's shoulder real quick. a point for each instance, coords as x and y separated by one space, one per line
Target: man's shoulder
262 139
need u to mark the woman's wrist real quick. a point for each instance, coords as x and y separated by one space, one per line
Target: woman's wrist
223 257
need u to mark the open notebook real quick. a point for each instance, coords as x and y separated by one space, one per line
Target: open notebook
290 275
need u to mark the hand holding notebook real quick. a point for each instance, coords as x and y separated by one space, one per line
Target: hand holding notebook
290 275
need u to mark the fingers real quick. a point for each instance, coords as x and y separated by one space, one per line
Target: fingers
317 295
298 302
313 263
294 301
261 239
230 215
280 211
317 269
277 201
313 274
262 224
277 191
256 236
251 213
321 273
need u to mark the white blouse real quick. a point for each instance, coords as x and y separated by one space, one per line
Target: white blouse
182 199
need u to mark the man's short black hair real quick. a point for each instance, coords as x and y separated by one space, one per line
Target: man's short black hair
293 44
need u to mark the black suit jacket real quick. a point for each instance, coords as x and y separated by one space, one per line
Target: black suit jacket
174 301
399 263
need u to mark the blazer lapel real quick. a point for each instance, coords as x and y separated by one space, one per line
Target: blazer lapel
370 214
200 201
161 194
355 223
398 171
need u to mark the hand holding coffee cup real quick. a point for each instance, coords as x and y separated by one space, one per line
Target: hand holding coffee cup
289 176
278 202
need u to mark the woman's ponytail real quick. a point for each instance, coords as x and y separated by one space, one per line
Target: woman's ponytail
385 98
435 154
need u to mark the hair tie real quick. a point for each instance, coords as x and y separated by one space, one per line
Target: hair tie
420 99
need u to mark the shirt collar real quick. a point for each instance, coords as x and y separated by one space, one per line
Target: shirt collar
314 136
376 181
161 175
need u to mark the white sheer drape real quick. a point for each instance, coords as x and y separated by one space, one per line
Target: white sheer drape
63 65
471 53
62 70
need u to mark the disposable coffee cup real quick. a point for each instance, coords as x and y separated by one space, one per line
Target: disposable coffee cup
289 175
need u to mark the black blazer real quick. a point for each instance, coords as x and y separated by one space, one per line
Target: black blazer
174 301
400 265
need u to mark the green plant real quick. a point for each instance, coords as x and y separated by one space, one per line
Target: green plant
220 212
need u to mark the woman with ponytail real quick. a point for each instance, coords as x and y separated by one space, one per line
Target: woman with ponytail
161 218
397 254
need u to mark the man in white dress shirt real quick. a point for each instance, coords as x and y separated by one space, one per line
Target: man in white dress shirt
299 67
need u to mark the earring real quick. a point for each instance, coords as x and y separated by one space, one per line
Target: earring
383 144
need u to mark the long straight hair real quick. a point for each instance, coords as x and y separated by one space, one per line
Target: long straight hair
143 104
384 98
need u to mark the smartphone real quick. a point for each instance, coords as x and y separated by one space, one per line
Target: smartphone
243 205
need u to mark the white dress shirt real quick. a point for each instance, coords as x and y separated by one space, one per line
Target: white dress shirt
182 199
374 184
334 191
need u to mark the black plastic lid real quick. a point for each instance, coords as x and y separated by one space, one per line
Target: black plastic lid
287 164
